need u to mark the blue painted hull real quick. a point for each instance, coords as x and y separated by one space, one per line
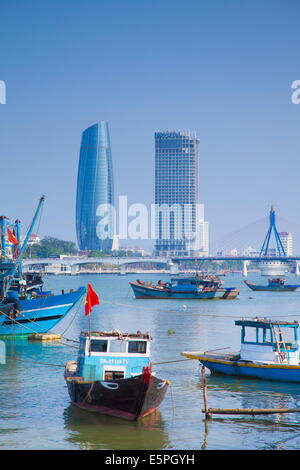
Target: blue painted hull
270 288
41 314
276 372
152 292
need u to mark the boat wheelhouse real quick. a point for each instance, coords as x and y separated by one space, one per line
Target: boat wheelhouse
269 350
113 375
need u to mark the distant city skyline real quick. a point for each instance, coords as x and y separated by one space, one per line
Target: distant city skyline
126 63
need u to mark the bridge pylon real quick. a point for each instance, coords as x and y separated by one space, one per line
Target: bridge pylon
272 268
272 228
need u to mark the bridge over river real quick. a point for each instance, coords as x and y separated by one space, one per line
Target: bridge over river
269 265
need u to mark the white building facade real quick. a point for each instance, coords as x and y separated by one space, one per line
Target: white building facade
287 242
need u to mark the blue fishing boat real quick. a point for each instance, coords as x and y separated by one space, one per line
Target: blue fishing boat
269 350
198 287
36 314
274 285
25 308
113 375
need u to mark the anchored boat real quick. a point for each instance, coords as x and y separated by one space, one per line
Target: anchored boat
269 350
25 308
199 287
113 375
274 285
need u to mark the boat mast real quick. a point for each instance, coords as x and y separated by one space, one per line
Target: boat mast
18 264
41 202
3 236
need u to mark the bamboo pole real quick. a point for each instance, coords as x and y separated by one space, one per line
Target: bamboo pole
250 411
237 411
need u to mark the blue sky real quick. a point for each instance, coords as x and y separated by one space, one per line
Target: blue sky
222 68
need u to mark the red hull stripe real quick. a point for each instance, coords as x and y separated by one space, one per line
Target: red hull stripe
112 412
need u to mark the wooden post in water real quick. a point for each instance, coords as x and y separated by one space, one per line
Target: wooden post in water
206 411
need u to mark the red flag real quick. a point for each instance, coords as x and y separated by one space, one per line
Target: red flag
91 300
12 238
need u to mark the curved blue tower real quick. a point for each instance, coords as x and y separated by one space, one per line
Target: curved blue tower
94 202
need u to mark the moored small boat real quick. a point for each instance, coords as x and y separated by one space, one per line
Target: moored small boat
274 285
113 375
197 287
25 308
266 352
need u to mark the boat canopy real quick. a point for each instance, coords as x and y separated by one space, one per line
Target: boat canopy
265 323
262 340
116 334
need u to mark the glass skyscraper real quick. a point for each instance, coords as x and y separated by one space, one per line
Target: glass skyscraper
176 193
95 198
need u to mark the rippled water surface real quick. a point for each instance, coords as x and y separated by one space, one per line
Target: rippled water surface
35 410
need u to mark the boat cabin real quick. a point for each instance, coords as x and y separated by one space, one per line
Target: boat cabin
112 355
194 283
276 281
270 341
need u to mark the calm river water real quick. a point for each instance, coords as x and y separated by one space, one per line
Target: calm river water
35 410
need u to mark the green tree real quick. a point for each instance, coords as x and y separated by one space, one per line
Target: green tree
50 246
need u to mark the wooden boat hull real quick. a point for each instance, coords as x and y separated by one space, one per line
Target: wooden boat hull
284 288
229 293
39 315
231 365
152 292
130 399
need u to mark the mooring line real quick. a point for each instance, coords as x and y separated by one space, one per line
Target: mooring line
213 315
170 362
35 362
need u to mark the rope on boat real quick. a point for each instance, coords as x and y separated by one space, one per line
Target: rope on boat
75 341
59 365
36 323
62 335
32 331
88 396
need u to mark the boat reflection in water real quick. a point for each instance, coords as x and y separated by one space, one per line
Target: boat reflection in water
245 393
91 431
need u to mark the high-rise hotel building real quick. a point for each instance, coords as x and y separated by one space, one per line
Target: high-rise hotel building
287 242
95 198
176 193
